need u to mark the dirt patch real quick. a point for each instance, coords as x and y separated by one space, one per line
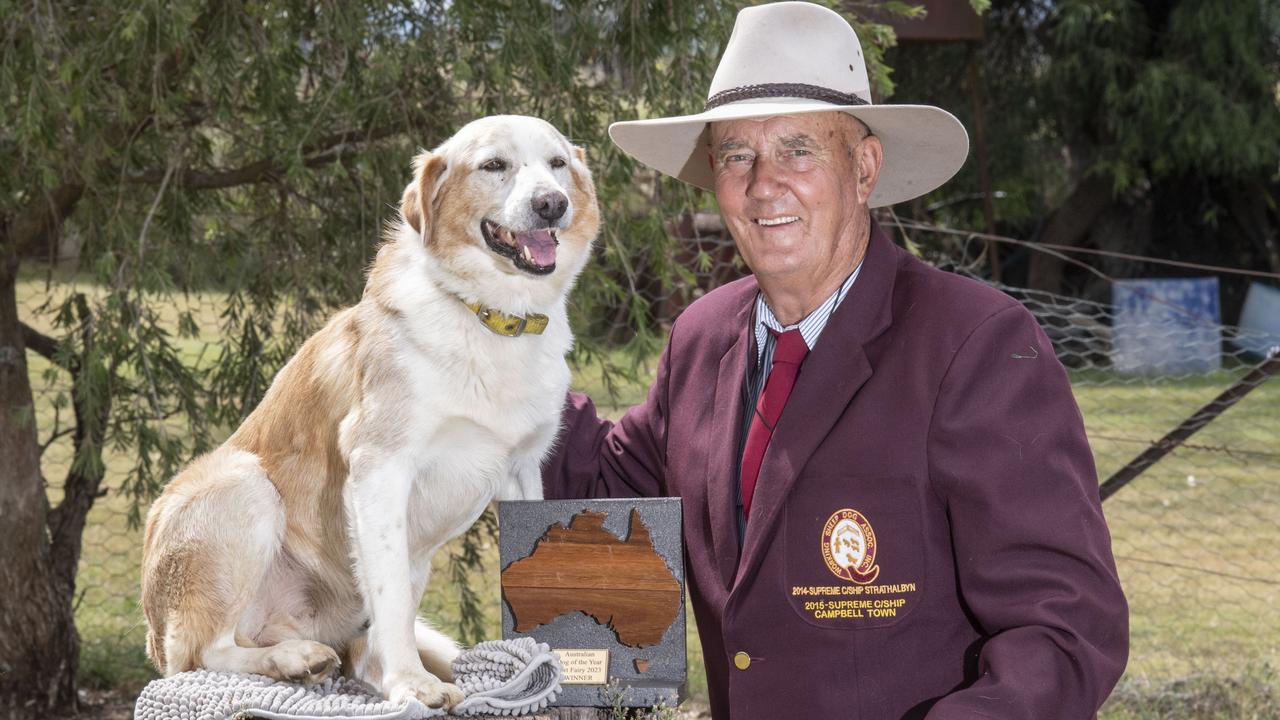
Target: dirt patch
102 705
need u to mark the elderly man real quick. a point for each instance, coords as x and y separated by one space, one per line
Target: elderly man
890 506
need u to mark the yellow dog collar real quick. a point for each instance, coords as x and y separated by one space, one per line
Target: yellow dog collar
508 325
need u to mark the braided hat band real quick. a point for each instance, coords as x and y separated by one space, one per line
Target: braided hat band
789 90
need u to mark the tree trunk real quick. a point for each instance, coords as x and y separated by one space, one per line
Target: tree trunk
1249 208
84 481
1069 225
39 646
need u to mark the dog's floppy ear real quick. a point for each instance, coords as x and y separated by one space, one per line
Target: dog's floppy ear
582 177
415 204
581 172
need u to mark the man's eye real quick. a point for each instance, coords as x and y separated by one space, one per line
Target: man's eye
494 165
739 157
799 152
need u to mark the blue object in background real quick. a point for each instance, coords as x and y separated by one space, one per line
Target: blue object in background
1259 320
1167 326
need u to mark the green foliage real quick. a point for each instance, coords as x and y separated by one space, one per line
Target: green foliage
257 148
244 146
114 666
1173 105
467 557
1188 89
1023 147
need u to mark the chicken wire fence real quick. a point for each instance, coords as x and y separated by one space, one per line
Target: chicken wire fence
1196 536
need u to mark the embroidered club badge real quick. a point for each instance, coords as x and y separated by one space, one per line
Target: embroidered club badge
849 547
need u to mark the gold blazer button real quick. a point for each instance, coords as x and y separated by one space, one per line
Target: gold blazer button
741 660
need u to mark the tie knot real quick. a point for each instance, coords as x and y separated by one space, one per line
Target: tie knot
790 348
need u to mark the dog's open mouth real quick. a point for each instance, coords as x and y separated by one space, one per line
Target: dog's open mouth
533 251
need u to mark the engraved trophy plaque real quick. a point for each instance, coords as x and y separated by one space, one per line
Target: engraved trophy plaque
602 583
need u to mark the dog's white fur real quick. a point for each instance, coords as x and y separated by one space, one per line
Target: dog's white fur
304 543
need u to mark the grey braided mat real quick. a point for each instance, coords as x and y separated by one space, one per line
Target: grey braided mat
498 677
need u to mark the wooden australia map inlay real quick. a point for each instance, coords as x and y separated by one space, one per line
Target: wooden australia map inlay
624 585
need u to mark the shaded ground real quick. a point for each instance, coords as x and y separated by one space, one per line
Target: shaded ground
117 705
105 705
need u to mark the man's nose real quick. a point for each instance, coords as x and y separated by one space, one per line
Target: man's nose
549 205
764 183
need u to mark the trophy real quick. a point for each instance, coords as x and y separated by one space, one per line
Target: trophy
602 583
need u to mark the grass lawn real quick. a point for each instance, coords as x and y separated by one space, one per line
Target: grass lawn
1197 537
1197 540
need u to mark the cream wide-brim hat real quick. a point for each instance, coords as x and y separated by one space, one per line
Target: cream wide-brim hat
791 58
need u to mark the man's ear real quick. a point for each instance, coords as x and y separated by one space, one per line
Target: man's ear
415 204
870 160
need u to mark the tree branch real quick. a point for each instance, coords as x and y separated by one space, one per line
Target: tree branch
321 152
41 214
1068 225
47 348
53 437
43 345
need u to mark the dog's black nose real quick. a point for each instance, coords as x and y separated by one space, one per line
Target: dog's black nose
549 205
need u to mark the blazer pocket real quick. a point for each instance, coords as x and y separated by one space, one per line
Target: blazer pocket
854 551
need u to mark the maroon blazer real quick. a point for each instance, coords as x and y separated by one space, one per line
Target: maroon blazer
926 538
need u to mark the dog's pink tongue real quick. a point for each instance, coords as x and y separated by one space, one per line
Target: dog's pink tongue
541 244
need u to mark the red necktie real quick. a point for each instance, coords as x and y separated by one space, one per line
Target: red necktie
788 353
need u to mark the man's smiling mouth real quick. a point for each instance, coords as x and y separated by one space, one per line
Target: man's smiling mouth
783 220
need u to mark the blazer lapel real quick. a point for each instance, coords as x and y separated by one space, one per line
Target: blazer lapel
828 380
722 457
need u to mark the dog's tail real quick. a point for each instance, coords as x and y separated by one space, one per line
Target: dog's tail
155 646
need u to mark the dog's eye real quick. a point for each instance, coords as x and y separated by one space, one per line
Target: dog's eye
557 162
494 165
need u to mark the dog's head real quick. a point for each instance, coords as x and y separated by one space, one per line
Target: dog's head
506 209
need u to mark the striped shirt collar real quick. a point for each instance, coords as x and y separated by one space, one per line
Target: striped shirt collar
812 324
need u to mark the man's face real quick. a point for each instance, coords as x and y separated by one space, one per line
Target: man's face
792 194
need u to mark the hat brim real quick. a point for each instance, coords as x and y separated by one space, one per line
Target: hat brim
924 146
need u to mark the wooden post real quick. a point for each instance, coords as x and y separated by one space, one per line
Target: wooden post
978 102
1175 437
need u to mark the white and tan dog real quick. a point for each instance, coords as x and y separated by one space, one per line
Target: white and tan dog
304 543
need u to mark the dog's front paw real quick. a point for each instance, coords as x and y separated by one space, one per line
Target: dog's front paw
424 688
301 661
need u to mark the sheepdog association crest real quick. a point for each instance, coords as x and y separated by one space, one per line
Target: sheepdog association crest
849 547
